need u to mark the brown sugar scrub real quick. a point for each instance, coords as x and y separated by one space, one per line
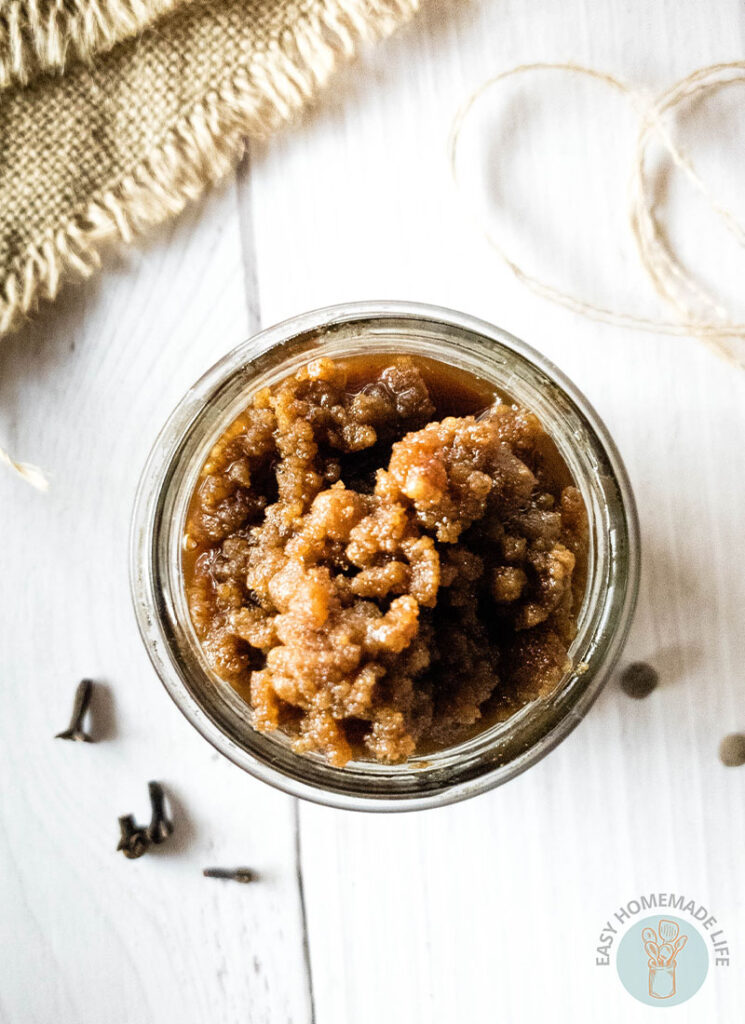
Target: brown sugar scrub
382 555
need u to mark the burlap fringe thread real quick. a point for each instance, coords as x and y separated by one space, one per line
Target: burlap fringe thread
699 314
36 36
198 151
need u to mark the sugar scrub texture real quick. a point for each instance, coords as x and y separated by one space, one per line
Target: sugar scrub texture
376 579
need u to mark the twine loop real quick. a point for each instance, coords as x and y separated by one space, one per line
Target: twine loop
697 313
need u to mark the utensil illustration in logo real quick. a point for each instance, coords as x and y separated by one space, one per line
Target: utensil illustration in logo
653 951
666 952
668 930
663 957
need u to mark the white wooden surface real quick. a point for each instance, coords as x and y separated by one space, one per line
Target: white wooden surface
488 911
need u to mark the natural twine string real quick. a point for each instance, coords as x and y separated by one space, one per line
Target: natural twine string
31 474
697 312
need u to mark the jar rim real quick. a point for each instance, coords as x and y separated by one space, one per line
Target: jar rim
467 768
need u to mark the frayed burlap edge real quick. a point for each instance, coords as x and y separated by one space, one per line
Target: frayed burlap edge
35 38
201 148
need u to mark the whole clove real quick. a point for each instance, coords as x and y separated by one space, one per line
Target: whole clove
74 731
134 840
160 827
233 874
137 839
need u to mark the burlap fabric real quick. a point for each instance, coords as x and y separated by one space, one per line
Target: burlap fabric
115 113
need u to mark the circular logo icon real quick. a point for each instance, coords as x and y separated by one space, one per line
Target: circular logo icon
662 961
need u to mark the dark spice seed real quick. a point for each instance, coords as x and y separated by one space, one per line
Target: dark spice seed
639 679
732 750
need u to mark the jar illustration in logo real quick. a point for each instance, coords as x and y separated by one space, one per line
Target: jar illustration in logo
662 961
662 947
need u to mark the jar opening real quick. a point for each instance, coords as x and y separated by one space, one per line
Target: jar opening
492 755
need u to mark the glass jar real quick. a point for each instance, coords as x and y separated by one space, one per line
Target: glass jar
499 752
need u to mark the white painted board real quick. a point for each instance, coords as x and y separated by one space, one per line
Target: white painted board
488 911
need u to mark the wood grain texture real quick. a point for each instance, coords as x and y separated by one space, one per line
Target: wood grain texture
481 912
